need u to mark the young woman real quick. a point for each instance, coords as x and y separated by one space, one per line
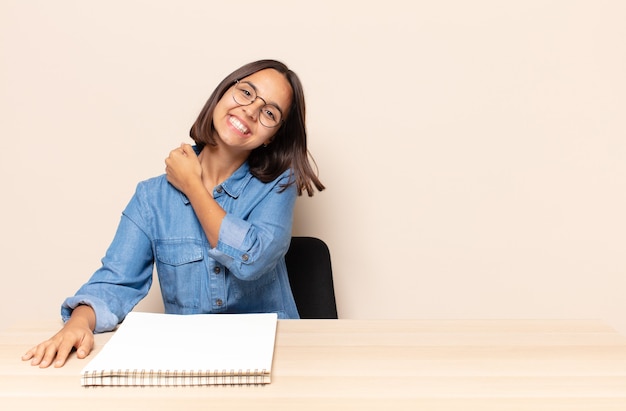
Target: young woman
217 225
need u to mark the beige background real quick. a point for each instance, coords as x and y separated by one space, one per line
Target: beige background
474 151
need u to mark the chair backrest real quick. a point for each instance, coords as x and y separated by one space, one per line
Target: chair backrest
311 277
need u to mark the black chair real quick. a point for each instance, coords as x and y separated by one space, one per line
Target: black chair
311 277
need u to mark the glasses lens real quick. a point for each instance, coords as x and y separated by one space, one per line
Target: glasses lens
244 94
270 115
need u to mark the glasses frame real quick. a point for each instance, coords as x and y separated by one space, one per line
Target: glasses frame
256 96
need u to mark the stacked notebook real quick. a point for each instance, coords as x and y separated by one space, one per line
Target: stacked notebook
150 349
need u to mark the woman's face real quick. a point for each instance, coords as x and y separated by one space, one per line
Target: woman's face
240 126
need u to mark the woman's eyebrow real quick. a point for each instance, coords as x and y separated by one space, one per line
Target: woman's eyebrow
250 84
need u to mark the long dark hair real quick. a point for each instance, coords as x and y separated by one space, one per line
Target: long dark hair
288 149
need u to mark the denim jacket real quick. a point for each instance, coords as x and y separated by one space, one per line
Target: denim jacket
244 273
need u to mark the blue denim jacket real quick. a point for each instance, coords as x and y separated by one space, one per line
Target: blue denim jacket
244 273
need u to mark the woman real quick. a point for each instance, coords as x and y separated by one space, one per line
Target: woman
217 225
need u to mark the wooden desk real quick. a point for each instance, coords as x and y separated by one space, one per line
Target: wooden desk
357 364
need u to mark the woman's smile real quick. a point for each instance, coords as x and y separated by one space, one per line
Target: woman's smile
240 126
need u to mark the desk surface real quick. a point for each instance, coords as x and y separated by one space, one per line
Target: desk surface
362 364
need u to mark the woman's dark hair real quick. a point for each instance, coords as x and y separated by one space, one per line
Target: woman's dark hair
289 145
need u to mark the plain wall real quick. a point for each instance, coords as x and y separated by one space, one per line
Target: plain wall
474 151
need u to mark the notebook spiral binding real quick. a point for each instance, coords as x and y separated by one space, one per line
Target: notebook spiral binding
174 378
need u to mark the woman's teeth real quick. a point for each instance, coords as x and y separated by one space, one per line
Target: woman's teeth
238 125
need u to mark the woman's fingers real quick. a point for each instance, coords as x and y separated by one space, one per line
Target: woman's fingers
57 349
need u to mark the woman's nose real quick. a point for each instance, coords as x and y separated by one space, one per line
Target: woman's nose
253 109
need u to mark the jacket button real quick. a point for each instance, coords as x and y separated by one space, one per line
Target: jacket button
219 189
219 302
217 270
245 257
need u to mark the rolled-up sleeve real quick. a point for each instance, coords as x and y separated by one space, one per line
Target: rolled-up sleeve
251 246
105 319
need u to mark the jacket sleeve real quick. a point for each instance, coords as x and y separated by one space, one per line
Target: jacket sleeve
123 279
253 246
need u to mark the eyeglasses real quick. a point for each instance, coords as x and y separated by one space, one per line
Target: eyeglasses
244 94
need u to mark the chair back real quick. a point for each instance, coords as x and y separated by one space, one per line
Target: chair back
311 277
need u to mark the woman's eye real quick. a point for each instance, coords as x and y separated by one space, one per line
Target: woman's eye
246 92
269 113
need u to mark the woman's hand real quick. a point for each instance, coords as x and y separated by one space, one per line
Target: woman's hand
77 333
184 171
183 168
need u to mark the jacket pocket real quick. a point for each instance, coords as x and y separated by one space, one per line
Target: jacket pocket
180 267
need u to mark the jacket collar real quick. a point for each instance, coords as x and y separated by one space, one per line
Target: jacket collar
233 185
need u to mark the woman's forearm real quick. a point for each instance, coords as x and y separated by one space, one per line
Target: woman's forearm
209 212
84 316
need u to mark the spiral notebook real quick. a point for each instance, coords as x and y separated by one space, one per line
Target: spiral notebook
150 349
